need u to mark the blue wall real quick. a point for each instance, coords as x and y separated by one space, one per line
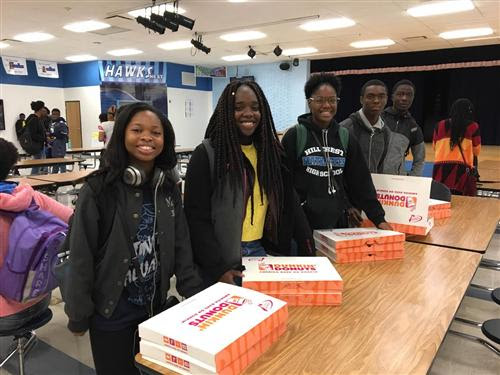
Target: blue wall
284 90
32 79
80 74
174 78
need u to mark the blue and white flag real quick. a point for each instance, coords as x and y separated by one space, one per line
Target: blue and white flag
15 66
46 69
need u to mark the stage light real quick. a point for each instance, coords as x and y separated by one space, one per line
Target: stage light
251 52
149 24
179 19
278 51
199 45
163 21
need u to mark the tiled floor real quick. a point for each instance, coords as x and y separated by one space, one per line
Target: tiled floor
455 356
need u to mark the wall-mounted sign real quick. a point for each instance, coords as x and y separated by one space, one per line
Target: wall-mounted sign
206 71
46 69
15 65
133 71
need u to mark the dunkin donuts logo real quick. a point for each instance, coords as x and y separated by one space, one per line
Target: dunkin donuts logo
281 268
398 200
176 361
168 341
218 311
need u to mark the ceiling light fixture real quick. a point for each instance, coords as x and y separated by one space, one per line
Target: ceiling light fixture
434 8
85 26
372 43
151 24
327 24
33 37
243 35
124 52
4 45
179 44
251 52
299 51
79 58
277 51
164 22
198 44
236 58
175 17
157 9
466 33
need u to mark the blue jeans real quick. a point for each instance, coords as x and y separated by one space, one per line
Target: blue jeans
40 155
17 320
57 167
252 249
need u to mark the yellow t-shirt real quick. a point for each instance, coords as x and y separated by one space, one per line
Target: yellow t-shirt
254 232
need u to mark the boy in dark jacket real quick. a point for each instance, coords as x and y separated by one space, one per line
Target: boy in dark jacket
59 132
367 126
327 175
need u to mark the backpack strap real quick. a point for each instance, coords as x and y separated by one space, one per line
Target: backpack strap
344 138
211 157
300 139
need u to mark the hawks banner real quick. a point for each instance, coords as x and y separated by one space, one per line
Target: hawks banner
133 71
15 66
46 69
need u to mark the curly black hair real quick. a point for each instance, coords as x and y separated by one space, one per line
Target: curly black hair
116 157
318 79
373 82
8 157
403 82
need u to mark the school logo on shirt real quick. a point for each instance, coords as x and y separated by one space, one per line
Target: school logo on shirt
313 162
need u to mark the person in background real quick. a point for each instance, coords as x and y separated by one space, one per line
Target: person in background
107 126
127 239
328 167
103 117
239 198
457 143
59 135
37 132
17 198
407 135
20 124
368 127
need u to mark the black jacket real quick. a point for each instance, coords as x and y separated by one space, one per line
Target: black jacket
374 142
215 220
37 131
353 180
97 274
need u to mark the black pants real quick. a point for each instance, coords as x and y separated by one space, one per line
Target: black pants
114 351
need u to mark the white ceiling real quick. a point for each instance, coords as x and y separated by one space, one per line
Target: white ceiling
375 19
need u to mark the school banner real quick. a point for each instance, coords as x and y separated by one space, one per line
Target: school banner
133 71
46 69
15 66
405 200
205 71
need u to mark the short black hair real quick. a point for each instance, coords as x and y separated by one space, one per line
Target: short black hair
373 82
22 114
318 79
8 157
37 105
103 117
116 157
55 110
403 82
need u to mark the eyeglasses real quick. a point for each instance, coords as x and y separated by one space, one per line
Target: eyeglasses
332 100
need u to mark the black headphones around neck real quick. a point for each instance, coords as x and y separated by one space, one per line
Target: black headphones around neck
134 176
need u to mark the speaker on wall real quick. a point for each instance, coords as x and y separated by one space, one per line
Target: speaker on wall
295 62
284 66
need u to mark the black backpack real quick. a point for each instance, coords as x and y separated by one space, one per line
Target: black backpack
26 140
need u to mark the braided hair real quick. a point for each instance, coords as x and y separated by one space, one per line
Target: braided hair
229 159
461 115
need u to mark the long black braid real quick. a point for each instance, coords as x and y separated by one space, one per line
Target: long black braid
229 160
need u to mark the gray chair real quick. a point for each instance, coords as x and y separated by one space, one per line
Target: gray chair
440 191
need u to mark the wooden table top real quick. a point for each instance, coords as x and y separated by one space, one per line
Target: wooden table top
471 226
64 178
393 318
488 185
79 150
35 183
45 162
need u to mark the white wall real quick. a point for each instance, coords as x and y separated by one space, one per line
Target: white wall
189 132
90 108
17 100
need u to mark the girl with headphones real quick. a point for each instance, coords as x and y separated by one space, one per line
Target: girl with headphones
128 237
239 197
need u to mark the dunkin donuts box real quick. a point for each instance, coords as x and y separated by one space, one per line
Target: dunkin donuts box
214 329
439 209
300 281
359 244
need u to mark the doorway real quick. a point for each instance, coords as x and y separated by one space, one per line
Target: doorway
73 118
